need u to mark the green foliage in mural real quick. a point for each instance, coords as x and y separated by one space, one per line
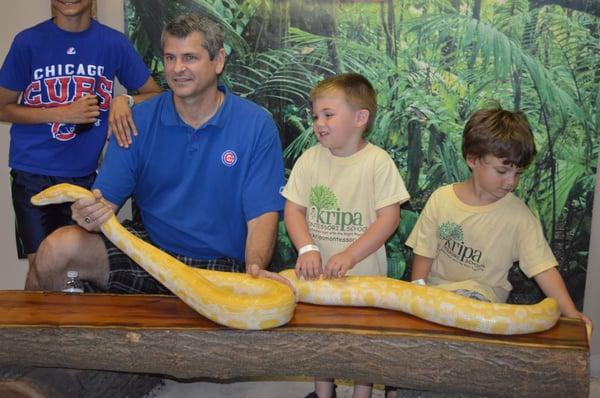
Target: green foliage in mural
432 62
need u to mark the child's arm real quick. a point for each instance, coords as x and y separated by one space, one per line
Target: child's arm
420 267
83 110
553 286
372 239
308 264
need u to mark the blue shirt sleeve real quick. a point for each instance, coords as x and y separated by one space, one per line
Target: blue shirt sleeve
117 175
14 74
265 178
133 72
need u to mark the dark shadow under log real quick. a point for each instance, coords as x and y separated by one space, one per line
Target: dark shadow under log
57 383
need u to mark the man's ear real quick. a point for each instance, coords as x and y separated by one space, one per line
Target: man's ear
362 117
220 57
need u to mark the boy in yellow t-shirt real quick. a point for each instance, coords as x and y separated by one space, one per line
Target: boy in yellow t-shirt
344 194
470 233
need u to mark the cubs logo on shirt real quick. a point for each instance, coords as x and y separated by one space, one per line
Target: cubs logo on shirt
62 84
229 158
62 131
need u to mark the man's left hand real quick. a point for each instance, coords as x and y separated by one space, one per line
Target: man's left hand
256 271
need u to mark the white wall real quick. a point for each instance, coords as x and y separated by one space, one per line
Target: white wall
13 19
21 14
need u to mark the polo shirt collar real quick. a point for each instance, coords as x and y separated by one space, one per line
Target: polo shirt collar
170 117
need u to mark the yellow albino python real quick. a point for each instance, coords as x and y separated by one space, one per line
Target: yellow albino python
242 302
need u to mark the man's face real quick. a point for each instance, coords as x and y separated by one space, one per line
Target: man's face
71 8
189 71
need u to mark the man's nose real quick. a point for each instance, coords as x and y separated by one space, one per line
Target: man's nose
179 65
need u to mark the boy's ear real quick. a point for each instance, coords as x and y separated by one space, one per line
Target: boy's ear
471 160
362 117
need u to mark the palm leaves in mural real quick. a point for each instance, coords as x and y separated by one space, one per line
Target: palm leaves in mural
433 62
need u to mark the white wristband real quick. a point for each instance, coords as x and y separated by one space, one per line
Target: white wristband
130 100
308 248
419 282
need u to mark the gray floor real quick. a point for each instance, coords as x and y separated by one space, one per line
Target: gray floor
269 389
247 389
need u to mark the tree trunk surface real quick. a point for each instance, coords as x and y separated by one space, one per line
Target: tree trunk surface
160 335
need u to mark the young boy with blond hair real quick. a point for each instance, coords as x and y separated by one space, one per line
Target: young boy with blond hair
343 194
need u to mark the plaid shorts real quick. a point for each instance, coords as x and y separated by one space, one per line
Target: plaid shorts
125 276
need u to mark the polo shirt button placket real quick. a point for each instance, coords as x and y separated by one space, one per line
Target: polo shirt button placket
194 138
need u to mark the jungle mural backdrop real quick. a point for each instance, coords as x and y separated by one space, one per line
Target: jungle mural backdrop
433 62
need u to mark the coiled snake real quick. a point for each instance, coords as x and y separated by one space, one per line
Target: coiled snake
243 302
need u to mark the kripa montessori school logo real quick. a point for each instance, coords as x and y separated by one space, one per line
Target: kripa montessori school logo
324 210
454 246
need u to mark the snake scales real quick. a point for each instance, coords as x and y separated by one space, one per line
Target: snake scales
243 302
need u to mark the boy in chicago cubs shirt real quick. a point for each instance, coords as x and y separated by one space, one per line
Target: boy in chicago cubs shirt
343 194
56 88
470 233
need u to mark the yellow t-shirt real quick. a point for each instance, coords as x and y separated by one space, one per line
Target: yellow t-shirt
474 247
341 196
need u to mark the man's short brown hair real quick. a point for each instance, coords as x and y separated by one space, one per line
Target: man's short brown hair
186 24
503 134
357 90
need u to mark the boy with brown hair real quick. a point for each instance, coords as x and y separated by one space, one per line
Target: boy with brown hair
344 194
469 234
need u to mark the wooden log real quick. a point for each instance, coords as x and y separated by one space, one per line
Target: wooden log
161 335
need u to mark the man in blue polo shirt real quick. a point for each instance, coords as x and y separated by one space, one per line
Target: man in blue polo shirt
205 173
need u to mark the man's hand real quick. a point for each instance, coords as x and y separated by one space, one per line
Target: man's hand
90 213
256 271
120 121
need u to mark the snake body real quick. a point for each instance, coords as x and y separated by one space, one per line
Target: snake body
234 300
243 302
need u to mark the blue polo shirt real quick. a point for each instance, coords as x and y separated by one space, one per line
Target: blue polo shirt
196 189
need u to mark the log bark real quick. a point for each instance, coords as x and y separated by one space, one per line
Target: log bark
160 335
